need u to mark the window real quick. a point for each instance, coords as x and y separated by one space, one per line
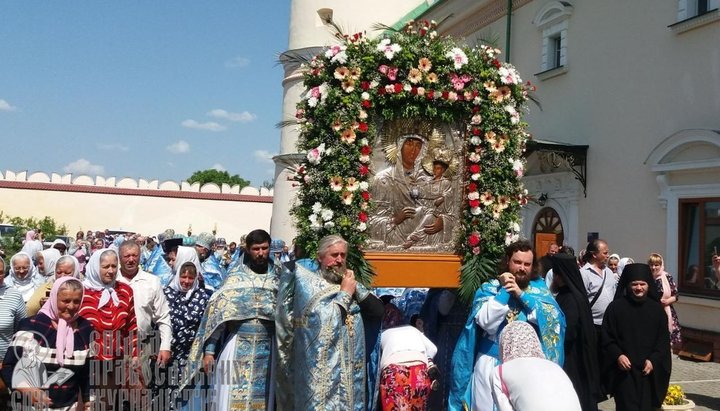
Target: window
699 245
552 20
691 8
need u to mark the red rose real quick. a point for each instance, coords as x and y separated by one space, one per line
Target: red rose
413 91
472 187
430 94
363 127
365 85
366 103
365 150
445 95
475 168
364 170
362 217
365 195
496 63
476 131
476 109
381 90
398 87
474 203
473 240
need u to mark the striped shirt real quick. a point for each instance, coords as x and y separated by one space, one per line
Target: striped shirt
12 310
115 326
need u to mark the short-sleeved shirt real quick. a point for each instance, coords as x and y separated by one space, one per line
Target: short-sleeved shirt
593 280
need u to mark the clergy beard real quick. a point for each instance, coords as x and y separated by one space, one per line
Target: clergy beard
333 274
258 266
522 280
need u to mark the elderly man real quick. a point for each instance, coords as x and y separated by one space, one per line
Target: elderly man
517 295
237 333
599 280
320 333
151 308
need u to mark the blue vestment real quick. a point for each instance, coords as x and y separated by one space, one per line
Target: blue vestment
475 342
213 272
156 264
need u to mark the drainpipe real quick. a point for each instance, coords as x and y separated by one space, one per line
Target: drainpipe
508 30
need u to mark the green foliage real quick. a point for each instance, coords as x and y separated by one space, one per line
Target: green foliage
12 244
217 177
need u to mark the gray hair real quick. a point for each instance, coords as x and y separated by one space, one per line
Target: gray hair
109 252
72 285
329 241
66 259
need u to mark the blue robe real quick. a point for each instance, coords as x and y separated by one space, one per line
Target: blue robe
474 342
239 328
213 272
321 342
156 264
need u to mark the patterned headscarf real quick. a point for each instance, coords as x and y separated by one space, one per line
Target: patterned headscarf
65 342
518 340
94 282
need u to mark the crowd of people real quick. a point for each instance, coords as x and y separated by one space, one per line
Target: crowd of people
192 322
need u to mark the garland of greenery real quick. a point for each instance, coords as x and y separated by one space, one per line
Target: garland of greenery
410 73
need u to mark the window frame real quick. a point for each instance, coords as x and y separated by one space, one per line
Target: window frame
684 253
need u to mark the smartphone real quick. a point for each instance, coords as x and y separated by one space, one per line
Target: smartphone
47 294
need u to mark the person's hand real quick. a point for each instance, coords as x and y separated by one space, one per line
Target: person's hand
505 277
624 362
648 368
163 358
512 288
208 363
435 227
348 283
404 214
37 396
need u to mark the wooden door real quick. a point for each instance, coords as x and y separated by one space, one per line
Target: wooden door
542 243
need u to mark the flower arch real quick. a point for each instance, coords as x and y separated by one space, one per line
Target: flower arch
354 86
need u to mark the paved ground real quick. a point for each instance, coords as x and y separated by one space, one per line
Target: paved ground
700 380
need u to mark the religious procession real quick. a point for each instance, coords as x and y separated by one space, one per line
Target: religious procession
403 270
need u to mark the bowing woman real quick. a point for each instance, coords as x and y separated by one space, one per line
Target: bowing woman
47 361
109 306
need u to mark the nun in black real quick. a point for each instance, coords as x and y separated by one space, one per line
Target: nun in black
636 342
581 346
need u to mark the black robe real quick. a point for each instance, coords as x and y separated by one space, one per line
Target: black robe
639 330
581 346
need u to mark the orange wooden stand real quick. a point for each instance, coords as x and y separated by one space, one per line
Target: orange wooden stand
415 270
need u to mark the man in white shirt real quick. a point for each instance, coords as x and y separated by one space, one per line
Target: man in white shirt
600 282
151 308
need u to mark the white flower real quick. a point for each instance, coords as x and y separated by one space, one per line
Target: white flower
518 167
314 156
364 159
458 57
514 115
316 207
374 84
475 177
407 87
473 195
475 211
388 49
334 50
328 225
474 157
326 214
364 185
511 238
341 58
475 140
516 227
508 75
364 142
476 119
314 223
362 227
365 95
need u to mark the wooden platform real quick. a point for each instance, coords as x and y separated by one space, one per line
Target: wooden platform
415 270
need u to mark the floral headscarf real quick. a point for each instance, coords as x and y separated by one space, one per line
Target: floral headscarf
518 340
185 255
65 341
93 281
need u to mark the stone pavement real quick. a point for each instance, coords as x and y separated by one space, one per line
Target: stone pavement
699 380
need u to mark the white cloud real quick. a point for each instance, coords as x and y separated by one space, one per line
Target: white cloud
209 126
218 167
237 62
179 147
264 156
112 147
5 106
83 166
244 117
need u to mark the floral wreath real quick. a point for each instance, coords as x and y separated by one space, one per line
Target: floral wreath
354 86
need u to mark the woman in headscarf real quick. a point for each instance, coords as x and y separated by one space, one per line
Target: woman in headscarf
405 353
12 310
187 301
622 263
31 245
23 275
667 289
636 342
526 380
50 258
581 346
66 266
109 305
47 361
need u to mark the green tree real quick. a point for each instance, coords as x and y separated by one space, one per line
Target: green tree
217 177
12 244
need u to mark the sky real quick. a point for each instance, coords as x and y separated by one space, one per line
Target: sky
141 89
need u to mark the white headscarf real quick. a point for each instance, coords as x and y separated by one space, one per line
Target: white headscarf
622 263
51 257
76 264
93 281
26 286
185 255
